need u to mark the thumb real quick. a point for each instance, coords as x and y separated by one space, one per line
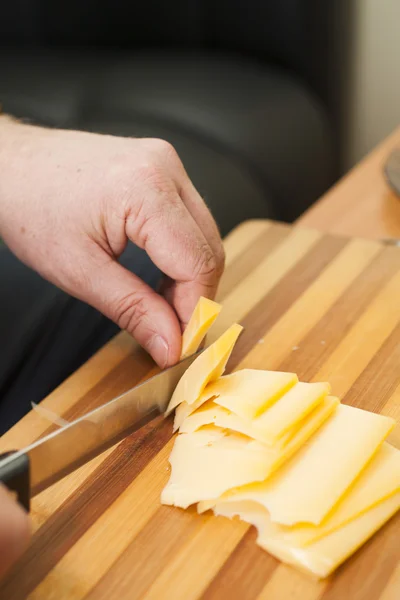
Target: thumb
136 308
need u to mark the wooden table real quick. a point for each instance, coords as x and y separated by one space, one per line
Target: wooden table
324 306
361 204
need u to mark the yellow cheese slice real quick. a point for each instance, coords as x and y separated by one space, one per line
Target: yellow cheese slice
211 413
290 409
207 367
203 317
212 460
259 388
311 484
276 455
379 480
279 418
323 556
249 392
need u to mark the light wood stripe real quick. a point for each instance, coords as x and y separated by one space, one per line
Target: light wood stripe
392 586
241 239
287 583
101 532
358 347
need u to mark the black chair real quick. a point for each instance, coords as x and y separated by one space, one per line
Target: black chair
244 89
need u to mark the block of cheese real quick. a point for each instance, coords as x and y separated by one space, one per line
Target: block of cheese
311 484
322 556
254 387
379 480
249 392
277 419
208 366
212 460
203 317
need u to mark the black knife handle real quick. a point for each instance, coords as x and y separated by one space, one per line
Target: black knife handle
16 477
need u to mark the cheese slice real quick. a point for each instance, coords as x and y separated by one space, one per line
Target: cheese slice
203 317
323 556
184 410
379 480
289 410
277 455
211 413
258 388
209 462
249 392
311 484
212 460
278 419
207 367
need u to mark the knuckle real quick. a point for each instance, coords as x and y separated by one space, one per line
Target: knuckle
164 148
129 311
207 266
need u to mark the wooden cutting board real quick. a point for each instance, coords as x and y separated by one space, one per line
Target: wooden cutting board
325 307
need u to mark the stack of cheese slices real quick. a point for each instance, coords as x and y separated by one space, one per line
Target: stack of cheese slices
315 477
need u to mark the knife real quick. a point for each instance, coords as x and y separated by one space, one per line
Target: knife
31 470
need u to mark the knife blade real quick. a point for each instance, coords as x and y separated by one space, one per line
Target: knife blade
31 470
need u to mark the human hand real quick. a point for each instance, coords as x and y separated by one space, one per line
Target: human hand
69 202
14 531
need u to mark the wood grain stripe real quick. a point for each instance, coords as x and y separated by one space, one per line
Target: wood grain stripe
314 349
263 278
247 261
235 579
242 237
285 294
288 584
286 335
358 347
123 520
392 586
382 372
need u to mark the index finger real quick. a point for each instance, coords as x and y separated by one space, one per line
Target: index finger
171 237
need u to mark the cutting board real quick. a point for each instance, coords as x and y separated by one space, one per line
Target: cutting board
325 307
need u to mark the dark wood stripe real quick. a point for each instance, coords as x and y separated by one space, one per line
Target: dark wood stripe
262 245
316 347
274 305
380 378
364 575
74 517
142 561
235 580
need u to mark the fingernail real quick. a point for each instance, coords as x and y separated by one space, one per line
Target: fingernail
158 348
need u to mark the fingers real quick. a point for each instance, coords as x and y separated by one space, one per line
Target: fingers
183 293
134 307
167 231
14 531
